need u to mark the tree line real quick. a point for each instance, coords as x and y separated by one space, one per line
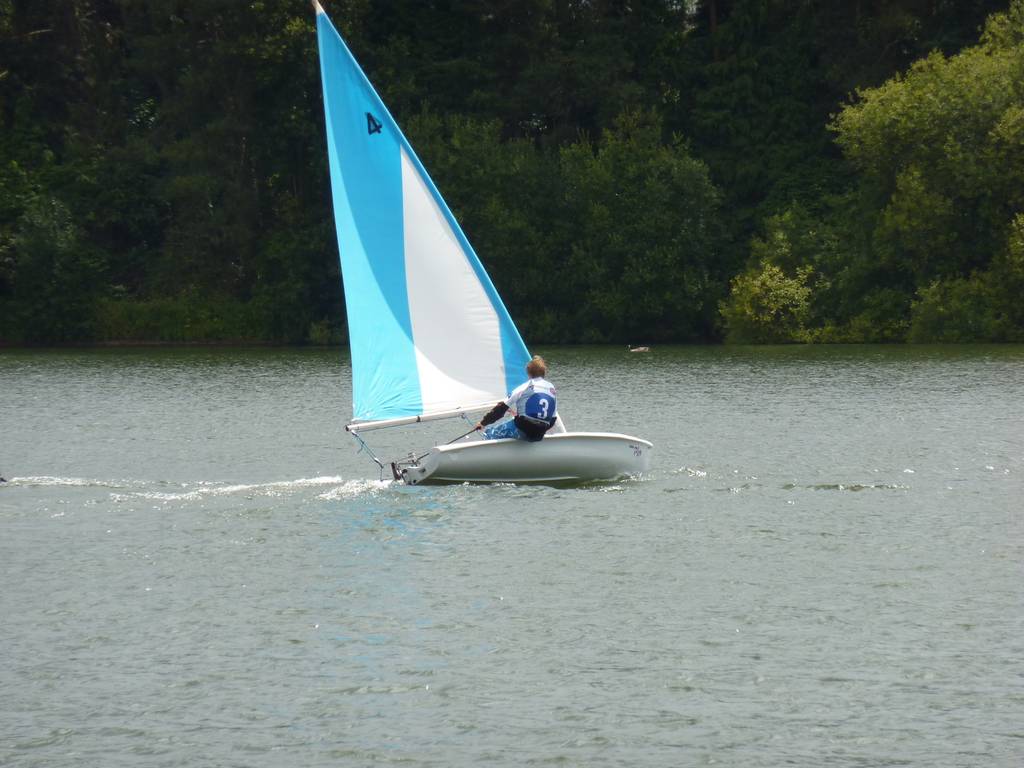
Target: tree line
628 170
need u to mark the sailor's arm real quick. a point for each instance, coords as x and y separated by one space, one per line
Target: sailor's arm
493 415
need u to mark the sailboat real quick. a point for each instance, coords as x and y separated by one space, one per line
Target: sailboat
430 337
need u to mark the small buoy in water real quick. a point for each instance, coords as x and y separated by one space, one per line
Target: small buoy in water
639 349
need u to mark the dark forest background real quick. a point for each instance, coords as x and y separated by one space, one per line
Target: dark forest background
629 171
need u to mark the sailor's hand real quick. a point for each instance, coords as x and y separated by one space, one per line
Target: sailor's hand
478 426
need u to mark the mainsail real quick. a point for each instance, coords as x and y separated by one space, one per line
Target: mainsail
428 331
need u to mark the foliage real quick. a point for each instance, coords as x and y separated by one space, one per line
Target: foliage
941 153
637 260
773 301
916 246
641 262
619 166
768 307
184 318
983 307
54 278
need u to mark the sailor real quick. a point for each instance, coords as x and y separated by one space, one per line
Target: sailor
533 403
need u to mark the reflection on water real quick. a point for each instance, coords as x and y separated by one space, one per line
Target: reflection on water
823 567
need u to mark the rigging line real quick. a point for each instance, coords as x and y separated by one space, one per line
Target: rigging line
365 447
454 439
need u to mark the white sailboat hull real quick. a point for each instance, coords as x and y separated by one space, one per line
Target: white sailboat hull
564 458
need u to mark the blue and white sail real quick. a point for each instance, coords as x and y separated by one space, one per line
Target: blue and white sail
428 331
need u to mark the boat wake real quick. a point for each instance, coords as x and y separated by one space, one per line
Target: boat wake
331 487
354 488
752 482
855 487
72 482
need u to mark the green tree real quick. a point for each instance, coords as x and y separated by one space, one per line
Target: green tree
612 241
766 306
940 151
986 306
169 155
643 261
753 83
56 279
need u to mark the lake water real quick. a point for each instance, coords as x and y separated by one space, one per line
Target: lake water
823 568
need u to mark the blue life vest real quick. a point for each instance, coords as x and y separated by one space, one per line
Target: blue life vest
541 406
537 416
